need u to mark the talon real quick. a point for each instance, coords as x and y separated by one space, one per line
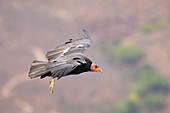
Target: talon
51 85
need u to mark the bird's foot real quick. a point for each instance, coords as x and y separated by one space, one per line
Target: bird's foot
51 85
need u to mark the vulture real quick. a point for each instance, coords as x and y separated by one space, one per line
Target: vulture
66 59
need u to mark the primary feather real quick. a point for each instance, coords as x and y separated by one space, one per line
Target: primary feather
78 45
65 59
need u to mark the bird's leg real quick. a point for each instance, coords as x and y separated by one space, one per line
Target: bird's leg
51 85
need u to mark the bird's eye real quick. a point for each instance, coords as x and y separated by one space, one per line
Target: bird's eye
96 66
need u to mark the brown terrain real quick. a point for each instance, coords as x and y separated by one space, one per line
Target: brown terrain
28 29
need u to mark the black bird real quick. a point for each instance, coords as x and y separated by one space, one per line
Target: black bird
64 60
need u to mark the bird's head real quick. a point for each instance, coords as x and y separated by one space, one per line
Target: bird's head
95 68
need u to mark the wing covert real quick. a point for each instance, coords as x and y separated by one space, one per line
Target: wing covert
74 46
60 69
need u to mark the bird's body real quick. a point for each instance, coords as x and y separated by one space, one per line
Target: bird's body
79 69
82 68
64 60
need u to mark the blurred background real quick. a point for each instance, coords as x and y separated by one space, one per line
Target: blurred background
131 43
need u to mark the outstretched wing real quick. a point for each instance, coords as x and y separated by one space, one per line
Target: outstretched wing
71 48
60 69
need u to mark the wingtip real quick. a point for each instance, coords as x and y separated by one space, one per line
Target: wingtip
85 31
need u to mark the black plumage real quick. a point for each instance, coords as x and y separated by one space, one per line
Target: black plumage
64 60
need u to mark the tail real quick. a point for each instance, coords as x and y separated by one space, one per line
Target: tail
39 68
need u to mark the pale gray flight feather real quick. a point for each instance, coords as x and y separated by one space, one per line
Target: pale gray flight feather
59 69
63 59
75 46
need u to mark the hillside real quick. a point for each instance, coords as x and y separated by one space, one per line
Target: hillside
28 29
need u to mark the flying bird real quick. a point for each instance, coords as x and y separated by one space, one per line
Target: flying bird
66 59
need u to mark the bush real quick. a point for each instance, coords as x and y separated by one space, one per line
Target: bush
149 81
128 106
151 102
148 28
127 53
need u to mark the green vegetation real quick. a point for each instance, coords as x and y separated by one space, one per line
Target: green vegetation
148 81
126 53
147 87
148 28
151 102
130 105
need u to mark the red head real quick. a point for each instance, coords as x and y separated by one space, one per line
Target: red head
95 68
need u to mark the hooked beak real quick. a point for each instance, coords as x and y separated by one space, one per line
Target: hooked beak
95 68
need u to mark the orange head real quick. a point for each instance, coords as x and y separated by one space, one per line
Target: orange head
95 68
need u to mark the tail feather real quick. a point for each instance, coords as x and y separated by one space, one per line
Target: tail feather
38 68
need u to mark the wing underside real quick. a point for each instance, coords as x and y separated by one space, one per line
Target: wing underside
60 69
74 46
65 58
